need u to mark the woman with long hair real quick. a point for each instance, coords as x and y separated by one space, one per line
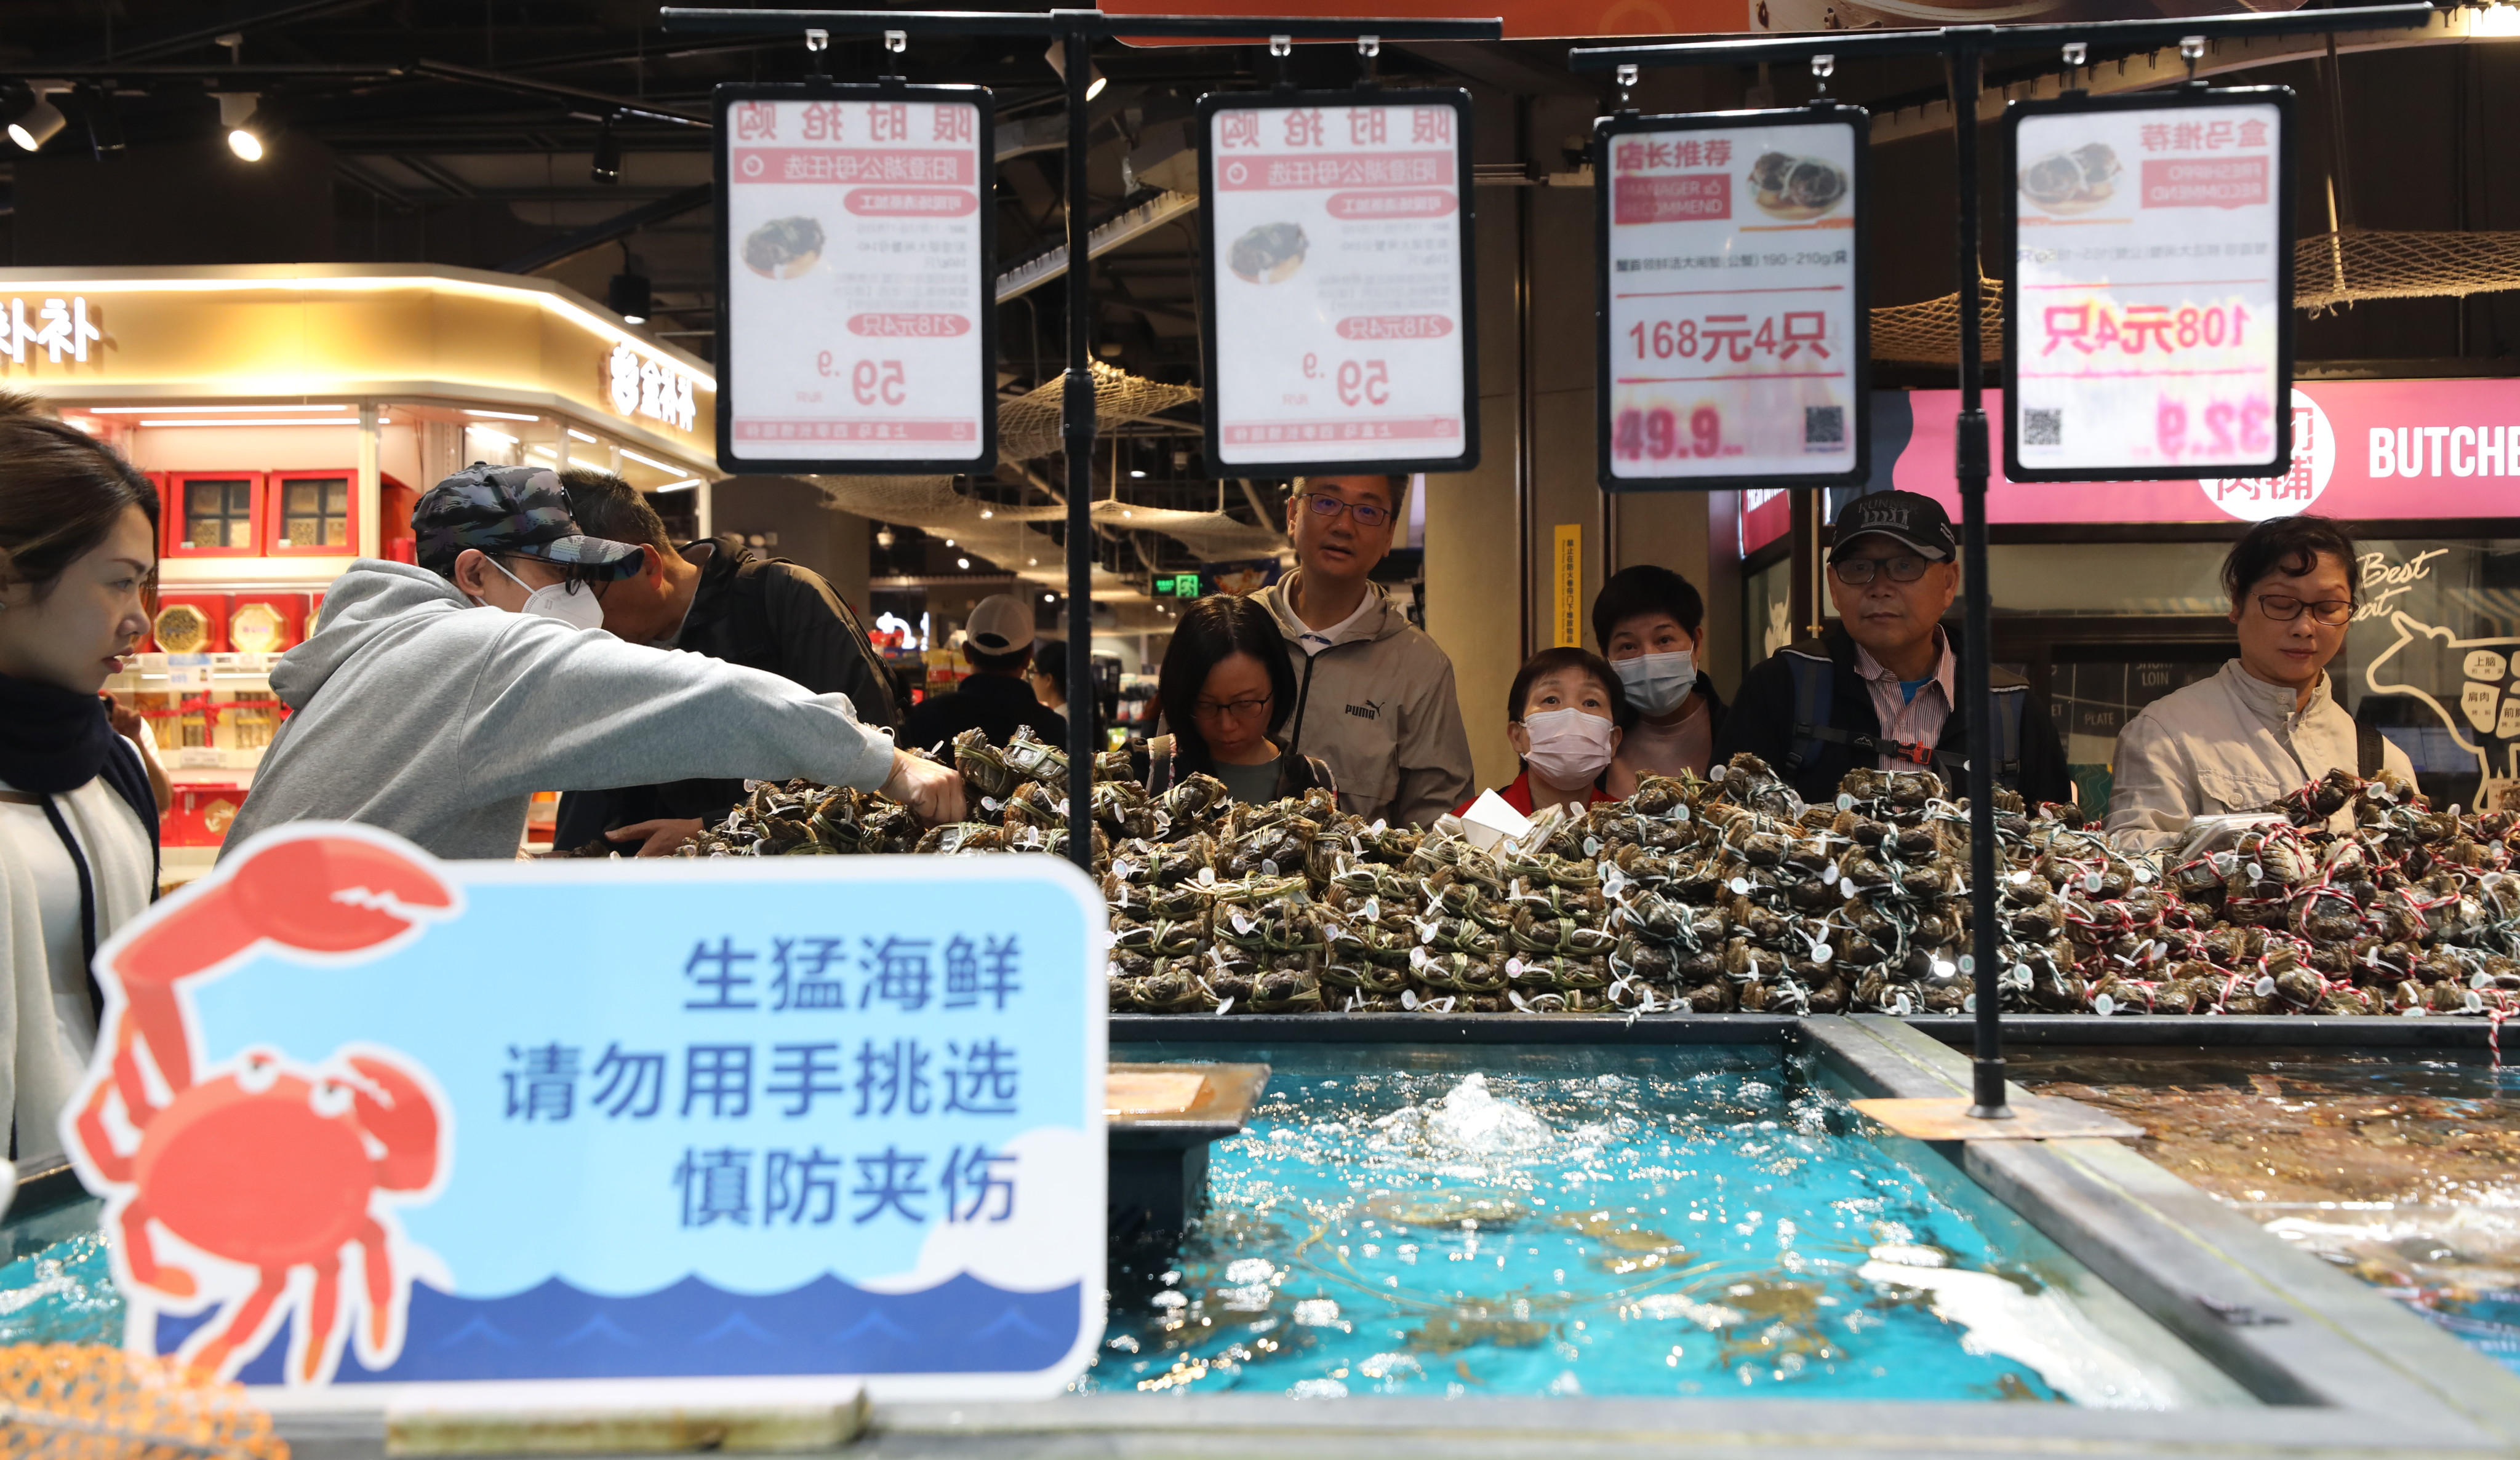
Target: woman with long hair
78 820
1226 689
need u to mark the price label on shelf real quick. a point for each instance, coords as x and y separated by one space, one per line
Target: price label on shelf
2150 295
1338 230
855 268
1733 338
188 672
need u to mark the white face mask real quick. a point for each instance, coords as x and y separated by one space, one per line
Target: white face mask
578 610
1656 683
1568 748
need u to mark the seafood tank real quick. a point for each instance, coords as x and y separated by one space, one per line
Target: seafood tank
2403 1170
1565 1219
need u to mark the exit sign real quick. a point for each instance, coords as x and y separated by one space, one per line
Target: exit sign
1176 586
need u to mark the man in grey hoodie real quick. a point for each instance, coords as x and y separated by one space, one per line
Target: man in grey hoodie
435 700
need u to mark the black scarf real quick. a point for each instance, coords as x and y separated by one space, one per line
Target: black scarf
52 740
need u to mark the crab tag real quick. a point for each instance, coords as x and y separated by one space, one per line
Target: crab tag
1740 886
1828 875
1268 866
1207 876
1821 953
1373 910
2091 880
2104 1005
1715 773
1845 802
1592 846
1901 1006
1512 968
2256 874
1123 868
1680 814
2264 987
2142 875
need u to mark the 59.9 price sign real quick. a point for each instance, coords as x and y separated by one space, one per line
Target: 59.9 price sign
854 256
1338 231
2149 299
1733 332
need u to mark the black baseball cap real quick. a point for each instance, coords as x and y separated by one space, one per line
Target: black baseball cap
1917 521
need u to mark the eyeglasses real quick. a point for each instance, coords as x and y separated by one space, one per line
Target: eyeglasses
1366 514
1855 572
1232 709
2283 608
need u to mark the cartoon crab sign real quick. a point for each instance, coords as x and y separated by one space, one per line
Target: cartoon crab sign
372 1126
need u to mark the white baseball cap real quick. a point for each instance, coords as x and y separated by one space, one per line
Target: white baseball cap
1000 624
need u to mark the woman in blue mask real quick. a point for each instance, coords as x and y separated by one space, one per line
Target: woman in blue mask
1650 624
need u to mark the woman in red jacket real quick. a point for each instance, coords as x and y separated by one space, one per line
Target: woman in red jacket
1565 714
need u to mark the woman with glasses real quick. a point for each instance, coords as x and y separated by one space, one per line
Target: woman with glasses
1225 688
78 821
2270 722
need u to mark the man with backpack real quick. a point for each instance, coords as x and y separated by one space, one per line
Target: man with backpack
715 597
1880 687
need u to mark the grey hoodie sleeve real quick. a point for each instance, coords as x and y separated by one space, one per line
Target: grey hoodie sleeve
555 708
1434 751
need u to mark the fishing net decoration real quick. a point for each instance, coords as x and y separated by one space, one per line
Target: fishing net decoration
2329 271
1028 428
84 1401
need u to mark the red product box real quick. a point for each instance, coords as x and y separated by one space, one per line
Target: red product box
201 815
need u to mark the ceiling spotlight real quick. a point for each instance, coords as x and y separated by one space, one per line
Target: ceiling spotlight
1049 598
1134 472
240 115
37 123
630 297
883 537
963 563
608 156
104 122
1057 55
949 542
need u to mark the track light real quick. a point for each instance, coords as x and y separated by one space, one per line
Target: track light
239 114
630 297
883 537
1095 79
608 156
104 122
38 124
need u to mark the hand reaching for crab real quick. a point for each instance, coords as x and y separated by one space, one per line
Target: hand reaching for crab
933 792
657 838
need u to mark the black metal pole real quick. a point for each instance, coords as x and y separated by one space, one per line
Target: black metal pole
1969 465
1076 410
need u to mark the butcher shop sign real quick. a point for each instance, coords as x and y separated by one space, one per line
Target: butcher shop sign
377 1131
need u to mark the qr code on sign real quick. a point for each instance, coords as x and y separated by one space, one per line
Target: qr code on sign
2042 427
1824 425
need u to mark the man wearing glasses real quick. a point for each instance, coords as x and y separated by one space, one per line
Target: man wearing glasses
1880 687
1374 695
2270 722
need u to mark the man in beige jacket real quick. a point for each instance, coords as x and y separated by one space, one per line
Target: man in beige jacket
1374 697
2268 723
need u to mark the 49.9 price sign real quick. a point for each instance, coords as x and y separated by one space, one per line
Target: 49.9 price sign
1734 336
2149 299
854 256
1338 231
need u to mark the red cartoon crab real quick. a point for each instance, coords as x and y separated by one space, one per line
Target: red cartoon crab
271 1167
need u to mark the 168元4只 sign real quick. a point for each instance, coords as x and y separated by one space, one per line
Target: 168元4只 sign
1732 337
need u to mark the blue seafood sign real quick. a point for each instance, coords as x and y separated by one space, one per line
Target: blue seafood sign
366 1120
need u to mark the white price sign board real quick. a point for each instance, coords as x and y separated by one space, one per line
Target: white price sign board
1338 232
2150 293
854 278
1733 338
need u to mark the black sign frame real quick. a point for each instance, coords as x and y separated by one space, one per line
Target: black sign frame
1283 99
2190 96
1606 131
984 456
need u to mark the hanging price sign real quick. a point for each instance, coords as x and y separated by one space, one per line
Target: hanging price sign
1336 227
1734 337
2148 295
855 235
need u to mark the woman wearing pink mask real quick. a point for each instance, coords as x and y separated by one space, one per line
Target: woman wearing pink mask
1564 716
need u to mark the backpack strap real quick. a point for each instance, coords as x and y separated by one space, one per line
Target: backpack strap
2370 750
1814 687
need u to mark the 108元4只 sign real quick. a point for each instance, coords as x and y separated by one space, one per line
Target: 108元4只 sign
1338 230
854 269
1733 335
2148 309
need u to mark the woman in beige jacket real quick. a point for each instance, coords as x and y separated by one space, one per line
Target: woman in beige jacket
2268 723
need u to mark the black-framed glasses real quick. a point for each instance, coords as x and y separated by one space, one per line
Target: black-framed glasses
2283 608
1232 709
1366 514
1856 572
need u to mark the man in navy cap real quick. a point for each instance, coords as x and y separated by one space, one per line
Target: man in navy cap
434 700
1880 687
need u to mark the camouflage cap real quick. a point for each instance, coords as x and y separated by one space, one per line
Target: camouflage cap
518 510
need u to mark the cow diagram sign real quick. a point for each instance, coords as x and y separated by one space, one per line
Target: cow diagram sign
803 1125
